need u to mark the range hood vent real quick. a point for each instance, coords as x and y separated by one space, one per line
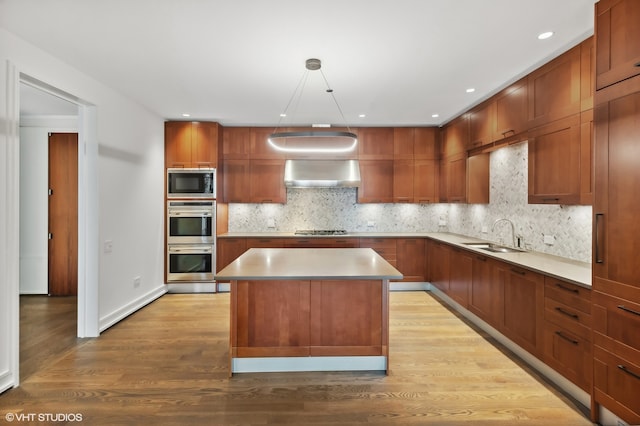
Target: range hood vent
322 174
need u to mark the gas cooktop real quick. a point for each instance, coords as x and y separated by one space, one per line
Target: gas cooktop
321 232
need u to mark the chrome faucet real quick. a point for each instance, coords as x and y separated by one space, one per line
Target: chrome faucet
513 231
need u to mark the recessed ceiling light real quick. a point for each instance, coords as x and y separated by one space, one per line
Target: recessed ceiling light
435 115
362 115
186 114
545 35
471 90
283 115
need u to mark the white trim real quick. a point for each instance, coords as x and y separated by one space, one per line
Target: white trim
191 288
408 286
121 313
311 363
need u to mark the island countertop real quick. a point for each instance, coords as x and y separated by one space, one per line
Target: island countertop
309 263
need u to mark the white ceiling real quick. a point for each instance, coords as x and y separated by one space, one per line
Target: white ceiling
238 62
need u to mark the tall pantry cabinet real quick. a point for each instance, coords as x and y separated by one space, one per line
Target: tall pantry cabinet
616 276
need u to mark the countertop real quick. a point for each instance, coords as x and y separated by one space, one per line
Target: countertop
309 264
562 268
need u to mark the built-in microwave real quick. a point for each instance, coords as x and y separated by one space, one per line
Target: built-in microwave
191 183
191 221
190 262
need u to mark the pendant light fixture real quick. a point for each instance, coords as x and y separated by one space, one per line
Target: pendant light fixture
315 141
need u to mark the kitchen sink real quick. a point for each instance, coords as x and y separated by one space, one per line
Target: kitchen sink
495 248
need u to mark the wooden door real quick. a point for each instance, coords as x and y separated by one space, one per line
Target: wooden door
511 110
482 124
267 181
177 144
425 181
63 214
376 181
460 272
205 141
403 176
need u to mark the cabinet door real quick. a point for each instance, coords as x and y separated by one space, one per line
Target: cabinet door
236 181
204 144
482 122
228 250
554 89
460 273
177 138
618 41
486 298
587 147
411 254
439 256
456 179
403 141
265 243
616 225
554 163
524 309
375 143
260 148
403 177
425 143
376 184
425 181
511 110
267 181
236 142
587 73
385 247
478 179
455 137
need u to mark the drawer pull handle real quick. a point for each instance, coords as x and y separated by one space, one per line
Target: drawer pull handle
631 311
517 271
481 258
565 288
629 372
568 339
569 314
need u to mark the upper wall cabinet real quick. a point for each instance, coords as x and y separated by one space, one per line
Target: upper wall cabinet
191 144
554 89
511 111
618 41
482 124
375 143
236 142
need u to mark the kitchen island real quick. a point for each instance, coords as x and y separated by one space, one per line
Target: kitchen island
308 309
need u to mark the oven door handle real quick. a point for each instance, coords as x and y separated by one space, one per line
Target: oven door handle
190 250
190 213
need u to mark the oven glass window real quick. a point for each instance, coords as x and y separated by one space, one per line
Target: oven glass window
190 226
190 263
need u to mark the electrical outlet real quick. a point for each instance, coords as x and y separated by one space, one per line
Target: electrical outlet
442 222
271 223
549 239
108 246
621 423
371 224
137 281
485 229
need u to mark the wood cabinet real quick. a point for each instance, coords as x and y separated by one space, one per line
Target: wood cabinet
523 307
486 298
326 242
460 275
617 41
554 162
236 183
376 181
511 111
411 255
267 181
236 142
375 143
554 89
385 247
453 178
425 181
425 143
438 257
228 250
482 124
403 181
567 331
616 278
191 144
265 242
477 184
455 137
260 148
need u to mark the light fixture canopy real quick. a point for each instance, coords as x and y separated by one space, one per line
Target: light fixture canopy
316 141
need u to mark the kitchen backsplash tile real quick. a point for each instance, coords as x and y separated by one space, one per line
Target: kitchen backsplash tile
569 226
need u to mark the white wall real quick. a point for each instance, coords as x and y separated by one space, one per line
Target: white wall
130 192
34 203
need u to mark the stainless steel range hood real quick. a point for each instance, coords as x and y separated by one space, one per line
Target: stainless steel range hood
322 173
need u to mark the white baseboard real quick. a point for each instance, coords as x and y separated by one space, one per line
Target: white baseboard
7 381
191 288
118 315
309 363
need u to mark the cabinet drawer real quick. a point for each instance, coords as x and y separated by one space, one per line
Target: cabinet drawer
374 243
616 323
316 242
265 243
567 317
617 384
568 353
568 293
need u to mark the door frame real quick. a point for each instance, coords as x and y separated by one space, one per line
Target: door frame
88 242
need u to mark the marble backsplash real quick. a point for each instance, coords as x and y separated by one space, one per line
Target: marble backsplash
568 226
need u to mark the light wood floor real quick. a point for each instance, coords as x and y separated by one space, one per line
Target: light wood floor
167 365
